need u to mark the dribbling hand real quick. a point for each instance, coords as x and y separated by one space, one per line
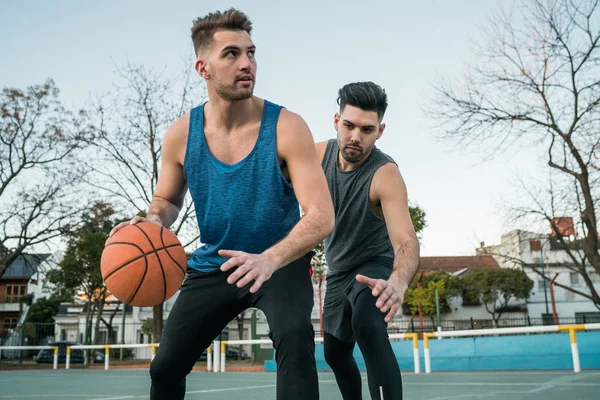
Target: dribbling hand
132 221
250 267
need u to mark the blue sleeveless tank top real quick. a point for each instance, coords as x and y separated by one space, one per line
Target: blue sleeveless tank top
247 206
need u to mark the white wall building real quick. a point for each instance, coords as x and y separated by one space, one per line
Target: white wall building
545 253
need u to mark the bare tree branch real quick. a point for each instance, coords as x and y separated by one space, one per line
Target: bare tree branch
536 82
128 127
40 139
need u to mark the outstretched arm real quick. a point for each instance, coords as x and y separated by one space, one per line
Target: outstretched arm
390 190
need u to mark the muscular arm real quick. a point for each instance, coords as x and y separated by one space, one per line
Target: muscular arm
171 186
295 145
390 190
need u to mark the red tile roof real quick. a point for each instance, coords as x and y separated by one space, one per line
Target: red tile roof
452 264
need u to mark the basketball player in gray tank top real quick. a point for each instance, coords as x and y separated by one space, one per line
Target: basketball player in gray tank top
373 251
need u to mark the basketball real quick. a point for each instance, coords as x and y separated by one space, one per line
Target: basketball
143 264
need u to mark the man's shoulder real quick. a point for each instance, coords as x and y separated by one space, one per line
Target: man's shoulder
384 167
382 157
179 128
287 118
291 126
293 135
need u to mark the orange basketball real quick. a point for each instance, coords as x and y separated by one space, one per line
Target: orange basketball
143 264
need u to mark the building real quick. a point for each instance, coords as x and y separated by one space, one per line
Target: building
460 314
544 257
21 284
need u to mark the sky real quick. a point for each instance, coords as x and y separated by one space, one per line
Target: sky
306 51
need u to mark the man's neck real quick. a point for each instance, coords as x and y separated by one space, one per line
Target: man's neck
347 166
229 115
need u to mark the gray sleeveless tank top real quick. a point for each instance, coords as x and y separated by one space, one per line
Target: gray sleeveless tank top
359 234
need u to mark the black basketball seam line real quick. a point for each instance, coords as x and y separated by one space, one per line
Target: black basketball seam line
159 262
137 258
133 244
161 267
170 256
155 251
129 262
174 260
141 281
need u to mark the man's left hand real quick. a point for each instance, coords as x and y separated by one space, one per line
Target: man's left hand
390 294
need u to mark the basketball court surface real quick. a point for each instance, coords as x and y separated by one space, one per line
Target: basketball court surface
133 384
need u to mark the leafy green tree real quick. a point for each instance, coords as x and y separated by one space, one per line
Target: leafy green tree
423 298
40 321
79 270
495 288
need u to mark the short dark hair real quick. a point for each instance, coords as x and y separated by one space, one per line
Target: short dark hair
205 27
367 96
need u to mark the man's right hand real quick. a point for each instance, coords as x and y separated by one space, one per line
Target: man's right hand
133 221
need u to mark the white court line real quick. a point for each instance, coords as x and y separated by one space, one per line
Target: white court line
227 389
475 384
120 398
549 372
565 381
232 389
477 395
561 382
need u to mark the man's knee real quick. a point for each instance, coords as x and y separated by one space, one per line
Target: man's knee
165 370
297 334
367 320
331 356
335 356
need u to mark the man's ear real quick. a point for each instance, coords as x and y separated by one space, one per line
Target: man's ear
202 68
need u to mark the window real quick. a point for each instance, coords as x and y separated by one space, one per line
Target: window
574 278
541 284
107 337
9 323
587 317
548 319
14 293
535 245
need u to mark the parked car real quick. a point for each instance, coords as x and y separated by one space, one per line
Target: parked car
232 353
77 355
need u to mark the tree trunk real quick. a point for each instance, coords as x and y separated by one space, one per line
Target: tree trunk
109 324
88 327
496 318
240 325
157 323
100 306
88 321
433 322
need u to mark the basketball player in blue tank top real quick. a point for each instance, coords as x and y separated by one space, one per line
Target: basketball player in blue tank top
373 251
249 164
